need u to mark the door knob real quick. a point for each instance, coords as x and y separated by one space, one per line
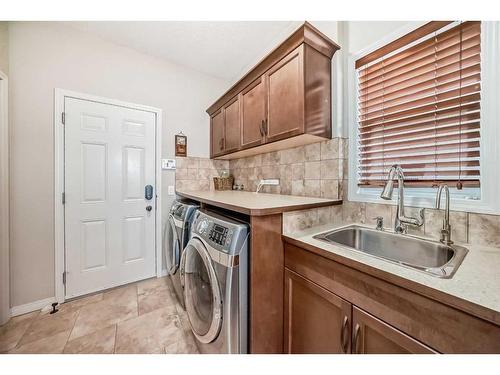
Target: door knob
149 208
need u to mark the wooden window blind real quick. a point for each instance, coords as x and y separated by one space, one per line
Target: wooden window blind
419 106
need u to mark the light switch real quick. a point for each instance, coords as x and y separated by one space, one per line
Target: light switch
171 190
168 164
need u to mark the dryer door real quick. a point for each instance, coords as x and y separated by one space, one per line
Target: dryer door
173 250
201 292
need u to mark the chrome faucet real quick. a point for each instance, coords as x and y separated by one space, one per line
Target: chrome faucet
446 230
401 222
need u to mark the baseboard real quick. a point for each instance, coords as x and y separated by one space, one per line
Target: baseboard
32 306
4 318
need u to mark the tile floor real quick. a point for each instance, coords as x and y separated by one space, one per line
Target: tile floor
143 317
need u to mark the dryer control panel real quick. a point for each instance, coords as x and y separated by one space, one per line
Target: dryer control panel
222 233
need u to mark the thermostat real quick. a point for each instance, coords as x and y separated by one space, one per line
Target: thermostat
167 163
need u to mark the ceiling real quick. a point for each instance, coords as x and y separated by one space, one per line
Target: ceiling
224 50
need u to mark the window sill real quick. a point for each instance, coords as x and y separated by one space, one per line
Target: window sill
424 199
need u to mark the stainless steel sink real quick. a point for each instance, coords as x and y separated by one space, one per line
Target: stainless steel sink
431 257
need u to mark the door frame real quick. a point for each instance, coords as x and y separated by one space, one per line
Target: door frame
59 97
5 312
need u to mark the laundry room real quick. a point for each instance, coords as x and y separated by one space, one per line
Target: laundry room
312 179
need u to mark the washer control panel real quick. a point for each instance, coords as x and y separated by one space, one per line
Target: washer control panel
202 226
218 232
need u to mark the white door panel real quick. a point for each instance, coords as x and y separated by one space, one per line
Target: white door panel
109 159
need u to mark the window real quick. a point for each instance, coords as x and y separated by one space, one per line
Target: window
419 106
425 99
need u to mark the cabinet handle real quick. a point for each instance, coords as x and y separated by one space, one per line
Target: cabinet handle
343 335
262 128
223 143
355 339
266 129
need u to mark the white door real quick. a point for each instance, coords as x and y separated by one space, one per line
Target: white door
109 223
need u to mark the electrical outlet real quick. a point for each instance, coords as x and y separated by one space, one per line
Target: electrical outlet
270 181
171 190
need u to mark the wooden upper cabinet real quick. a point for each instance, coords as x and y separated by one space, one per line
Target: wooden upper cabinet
225 128
316 321
253 114
217 132
232 125
285 97
372 336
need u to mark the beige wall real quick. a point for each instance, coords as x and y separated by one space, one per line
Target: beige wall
4 47
44 56
4 182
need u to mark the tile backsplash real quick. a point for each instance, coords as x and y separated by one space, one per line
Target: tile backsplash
320 170
194 173
314 170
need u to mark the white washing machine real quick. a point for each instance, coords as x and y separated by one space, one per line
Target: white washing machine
176 237
214 269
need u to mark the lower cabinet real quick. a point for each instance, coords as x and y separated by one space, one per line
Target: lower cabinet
319 321
372 336
316 321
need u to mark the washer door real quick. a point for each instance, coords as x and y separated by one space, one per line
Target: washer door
173 251
201 292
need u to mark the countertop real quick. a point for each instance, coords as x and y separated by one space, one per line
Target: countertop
257 204
475 287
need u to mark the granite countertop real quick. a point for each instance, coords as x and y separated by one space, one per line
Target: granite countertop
475 286
257 204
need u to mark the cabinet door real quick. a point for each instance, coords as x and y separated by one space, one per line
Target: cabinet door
232 125
316 321
285 90
372 336
217 132
253 114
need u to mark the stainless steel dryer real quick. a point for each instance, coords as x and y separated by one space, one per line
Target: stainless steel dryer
177 233
214 270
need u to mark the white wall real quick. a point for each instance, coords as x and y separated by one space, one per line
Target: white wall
44 56
361 34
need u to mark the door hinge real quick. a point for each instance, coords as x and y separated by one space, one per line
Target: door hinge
64 277
63 198
63 118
